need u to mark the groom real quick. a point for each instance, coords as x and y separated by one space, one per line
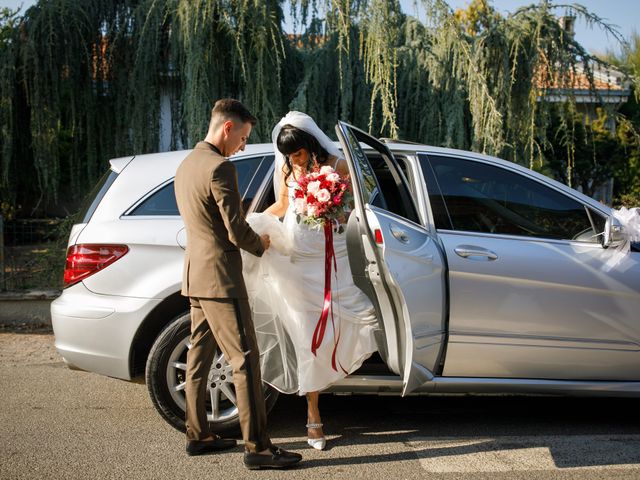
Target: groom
206 188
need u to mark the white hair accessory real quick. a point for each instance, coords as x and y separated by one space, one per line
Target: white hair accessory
303 122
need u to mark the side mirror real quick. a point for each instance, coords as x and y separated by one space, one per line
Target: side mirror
614 234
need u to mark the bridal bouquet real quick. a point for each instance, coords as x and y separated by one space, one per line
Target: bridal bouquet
322 198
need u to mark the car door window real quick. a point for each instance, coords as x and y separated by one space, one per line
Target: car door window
383 183
253 176
250 170
473 196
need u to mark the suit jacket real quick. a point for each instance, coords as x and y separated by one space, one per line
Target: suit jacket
206 187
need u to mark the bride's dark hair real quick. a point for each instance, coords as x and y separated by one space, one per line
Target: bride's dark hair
291 139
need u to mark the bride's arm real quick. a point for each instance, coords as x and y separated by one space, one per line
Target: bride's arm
279 208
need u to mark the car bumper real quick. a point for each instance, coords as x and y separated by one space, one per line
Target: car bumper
95 332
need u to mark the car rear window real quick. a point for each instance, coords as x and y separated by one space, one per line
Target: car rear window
94 197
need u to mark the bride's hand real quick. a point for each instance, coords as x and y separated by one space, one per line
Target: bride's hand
266 241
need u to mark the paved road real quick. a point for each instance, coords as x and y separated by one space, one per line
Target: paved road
74 425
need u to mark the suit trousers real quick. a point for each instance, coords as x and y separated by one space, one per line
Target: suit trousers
227 322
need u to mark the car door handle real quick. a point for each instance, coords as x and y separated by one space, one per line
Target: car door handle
466 251
399 234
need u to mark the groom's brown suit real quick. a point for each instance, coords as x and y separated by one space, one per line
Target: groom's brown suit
207 193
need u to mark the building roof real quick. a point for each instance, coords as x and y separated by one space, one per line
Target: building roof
608 85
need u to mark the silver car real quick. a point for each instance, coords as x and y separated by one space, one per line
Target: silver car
486 277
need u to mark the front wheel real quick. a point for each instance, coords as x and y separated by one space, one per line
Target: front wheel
166 374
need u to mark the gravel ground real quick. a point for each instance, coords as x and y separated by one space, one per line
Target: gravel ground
61 424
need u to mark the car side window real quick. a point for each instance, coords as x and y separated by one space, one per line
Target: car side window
163 201
253 176
381 180
477 197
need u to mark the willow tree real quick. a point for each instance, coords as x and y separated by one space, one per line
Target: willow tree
90 76
472 80
8 47
484 82
328 71
355 63
81 82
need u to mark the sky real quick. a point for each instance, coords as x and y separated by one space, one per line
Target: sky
623 13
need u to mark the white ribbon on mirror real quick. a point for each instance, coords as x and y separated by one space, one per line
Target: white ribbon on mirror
629 222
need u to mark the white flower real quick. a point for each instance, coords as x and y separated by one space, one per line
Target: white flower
323 195
312 210
326 170
313 187
300 205
333 178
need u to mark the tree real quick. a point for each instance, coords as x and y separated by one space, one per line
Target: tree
627 174
8 88
81 81
581 152
87 78
478 17
628 58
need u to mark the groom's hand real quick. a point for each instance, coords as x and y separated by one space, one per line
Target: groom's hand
266 241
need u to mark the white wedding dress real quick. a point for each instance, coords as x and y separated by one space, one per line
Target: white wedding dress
286 292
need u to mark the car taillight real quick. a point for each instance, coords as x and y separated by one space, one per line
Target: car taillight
84 260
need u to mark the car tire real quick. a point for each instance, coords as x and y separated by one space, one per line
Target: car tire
166 372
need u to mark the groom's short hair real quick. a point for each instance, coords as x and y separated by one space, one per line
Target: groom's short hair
231 109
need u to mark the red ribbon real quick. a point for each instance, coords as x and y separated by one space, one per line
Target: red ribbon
327 307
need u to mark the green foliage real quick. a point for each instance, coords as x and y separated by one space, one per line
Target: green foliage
628 200
627 175
8 47
627 172
381 28
628 59
583 152
81 82
342 97
477 17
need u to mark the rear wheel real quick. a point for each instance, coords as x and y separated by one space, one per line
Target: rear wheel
166 374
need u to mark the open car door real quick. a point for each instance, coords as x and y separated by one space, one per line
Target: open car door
395 261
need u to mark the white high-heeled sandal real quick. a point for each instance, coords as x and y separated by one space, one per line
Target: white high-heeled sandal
316 443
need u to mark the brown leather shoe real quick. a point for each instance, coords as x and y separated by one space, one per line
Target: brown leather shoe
197 447
278 458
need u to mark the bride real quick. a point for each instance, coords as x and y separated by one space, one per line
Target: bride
286 285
